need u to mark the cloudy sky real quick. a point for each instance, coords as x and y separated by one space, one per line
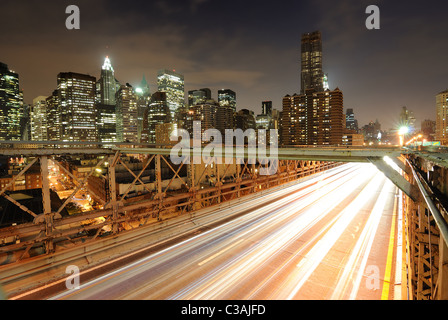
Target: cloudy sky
252 47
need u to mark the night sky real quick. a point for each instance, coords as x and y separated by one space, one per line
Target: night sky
252 47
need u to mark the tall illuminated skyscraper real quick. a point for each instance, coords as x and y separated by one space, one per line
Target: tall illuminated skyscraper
158 113
76 99
39 119
312 76
173 84
107 85
106 90
127 114
11 104
143 92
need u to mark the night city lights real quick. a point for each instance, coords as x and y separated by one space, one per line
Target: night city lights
220 158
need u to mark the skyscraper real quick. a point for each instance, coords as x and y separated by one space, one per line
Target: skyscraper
312 76
39 119
350 122
173 84
407 119
76 99
199 96
107 85
227 98
53 117
11 103
266 108
158 113
127 114
442 117
143 92
106 89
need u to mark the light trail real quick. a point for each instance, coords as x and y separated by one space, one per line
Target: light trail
283 249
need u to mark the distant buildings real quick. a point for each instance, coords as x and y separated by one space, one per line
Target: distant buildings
11 104
407 119
442 117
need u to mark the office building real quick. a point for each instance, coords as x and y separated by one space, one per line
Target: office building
76 107
312 75
315 118
143 92
227 98
11 104
107 86
53 117
199 96
127 114
350 122
442 117
266 108
428 129
245 120
106 123
173 84
158 113
38 123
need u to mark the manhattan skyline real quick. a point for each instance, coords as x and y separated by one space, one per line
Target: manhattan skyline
252 48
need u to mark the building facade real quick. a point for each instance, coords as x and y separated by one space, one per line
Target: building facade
442 117
76 104
173 84
39 119
127 114
11 104
312 75
158 113
315 118
107 85
227 98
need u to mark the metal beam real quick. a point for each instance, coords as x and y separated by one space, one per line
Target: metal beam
410 190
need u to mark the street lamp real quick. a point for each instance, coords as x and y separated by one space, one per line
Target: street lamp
402 132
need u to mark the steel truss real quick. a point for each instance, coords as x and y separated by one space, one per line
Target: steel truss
51 233
424 234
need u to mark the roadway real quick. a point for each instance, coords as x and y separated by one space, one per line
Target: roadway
334 236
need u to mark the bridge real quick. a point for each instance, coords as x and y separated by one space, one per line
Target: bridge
162 201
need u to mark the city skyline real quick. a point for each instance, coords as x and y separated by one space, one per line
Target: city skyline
379 71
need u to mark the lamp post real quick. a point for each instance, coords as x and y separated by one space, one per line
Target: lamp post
401 133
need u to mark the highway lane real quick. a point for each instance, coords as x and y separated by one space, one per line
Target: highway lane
330 239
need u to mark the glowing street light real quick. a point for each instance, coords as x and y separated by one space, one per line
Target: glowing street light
402 132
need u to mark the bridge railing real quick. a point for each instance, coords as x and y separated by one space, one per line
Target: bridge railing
168 193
